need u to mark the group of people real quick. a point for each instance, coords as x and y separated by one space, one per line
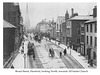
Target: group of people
52 54
65 52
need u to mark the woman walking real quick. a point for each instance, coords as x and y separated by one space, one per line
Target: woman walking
60 54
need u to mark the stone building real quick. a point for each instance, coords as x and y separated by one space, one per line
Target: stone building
91 37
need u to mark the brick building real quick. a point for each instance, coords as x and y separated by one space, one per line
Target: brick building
12 16
75 24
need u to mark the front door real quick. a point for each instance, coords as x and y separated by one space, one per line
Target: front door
89 53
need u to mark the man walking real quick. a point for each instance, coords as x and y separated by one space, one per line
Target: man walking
60 54
65 51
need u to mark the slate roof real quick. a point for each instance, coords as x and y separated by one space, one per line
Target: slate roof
81 17
92 20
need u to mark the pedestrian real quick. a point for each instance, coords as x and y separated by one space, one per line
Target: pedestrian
65 51
12 67
50 52
34 56
60 54
53 54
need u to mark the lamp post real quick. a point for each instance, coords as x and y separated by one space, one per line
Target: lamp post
24 61
70 47
24 56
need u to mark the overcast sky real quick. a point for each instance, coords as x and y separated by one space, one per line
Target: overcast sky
39 11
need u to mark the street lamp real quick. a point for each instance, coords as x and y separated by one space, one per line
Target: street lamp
70 47
24 60
24 56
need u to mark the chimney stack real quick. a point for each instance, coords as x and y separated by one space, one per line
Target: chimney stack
72 11
95 11
66 15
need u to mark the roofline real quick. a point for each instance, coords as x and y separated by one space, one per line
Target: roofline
95 20
90 22
78 19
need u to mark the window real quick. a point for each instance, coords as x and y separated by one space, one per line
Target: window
87 39
87 27
95 41
78 32
57 26
94 55
91 40
95 28
90 27
78 40
82 29
68 31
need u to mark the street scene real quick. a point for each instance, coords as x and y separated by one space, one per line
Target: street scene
49 36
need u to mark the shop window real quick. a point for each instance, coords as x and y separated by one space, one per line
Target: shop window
78 41
94 55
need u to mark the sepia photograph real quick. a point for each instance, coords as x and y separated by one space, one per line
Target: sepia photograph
49 35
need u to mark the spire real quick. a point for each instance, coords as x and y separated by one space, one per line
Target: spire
27 21
27 8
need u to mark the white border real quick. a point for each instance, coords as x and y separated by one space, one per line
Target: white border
12 72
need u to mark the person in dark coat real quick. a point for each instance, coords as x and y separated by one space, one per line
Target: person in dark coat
60 54
34 56
65 51
50 52
12 67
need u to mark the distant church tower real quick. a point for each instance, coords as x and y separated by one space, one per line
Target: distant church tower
66 15
27 22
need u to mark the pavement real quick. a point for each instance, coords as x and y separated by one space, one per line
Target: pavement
21 58
81 59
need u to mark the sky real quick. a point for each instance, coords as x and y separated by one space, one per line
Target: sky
37 11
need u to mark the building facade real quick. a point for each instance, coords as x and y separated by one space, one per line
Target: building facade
53 30
43 26
75 27
63 33
12 16
82 39
69 27
8 40
60 20
91 39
